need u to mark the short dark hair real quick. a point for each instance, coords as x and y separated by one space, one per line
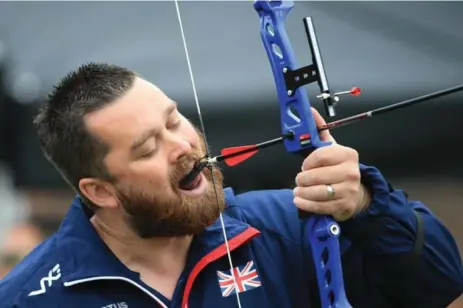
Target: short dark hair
63 135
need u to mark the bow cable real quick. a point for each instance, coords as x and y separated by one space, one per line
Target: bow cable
179 17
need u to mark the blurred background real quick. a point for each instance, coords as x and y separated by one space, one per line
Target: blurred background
392 50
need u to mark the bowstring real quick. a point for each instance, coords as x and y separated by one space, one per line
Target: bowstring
207 149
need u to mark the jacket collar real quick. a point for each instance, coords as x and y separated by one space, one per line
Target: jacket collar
85 254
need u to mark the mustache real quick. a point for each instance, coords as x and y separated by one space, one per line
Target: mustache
184 165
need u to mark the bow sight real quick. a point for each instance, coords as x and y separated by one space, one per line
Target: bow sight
315 72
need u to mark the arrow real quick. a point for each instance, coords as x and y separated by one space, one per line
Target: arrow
233 156
389 108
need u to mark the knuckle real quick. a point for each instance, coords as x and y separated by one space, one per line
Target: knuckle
315 156
353 174
298 179
345 208
353 153
323 153
350 207
350 190
341 205
306 162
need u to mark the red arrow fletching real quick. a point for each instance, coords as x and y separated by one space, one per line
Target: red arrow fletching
238 158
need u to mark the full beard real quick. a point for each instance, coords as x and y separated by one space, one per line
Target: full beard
174 215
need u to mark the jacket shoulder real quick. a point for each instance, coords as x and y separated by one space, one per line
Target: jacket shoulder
267 210
37 274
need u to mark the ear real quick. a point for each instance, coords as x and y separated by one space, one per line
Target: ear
99 192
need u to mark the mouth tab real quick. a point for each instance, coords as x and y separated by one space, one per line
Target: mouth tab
197 169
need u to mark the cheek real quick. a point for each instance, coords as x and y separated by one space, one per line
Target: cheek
192 134
151 184
150 175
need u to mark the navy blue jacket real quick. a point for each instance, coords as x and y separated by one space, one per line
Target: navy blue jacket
395 254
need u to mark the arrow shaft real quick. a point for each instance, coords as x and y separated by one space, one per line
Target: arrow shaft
385 109
345 121
335 124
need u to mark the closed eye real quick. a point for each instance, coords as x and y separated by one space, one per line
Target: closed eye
147 154
174 125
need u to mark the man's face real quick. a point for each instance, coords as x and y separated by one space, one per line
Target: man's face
152 147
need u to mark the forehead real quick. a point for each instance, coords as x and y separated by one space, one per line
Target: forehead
142 107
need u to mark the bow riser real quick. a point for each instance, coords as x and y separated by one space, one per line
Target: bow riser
295 112
323 232
296 118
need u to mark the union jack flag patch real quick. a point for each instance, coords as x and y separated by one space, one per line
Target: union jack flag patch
246 279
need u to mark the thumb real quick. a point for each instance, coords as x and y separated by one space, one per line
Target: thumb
319 121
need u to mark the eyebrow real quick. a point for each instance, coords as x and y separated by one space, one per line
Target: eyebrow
172 107
146 135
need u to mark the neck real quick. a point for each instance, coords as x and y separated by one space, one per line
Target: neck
163 256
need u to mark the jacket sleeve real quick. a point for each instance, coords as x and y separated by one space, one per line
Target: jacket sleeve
407 257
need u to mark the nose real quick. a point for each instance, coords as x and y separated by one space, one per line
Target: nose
177 147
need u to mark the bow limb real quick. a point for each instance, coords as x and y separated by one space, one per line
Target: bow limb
179 17
322 232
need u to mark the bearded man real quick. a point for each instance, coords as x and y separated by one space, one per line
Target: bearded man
134 237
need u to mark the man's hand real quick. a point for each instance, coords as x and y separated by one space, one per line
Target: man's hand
333 168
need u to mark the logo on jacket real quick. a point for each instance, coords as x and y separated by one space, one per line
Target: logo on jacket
246 279
117 305
53 274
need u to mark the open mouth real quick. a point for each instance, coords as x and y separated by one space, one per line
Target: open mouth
191 181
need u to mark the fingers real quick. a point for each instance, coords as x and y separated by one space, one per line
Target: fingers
319 121
320 192
321 176
315 199
334 208
337 166
329 156
317 117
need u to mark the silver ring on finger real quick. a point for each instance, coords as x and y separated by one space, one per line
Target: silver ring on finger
330 191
